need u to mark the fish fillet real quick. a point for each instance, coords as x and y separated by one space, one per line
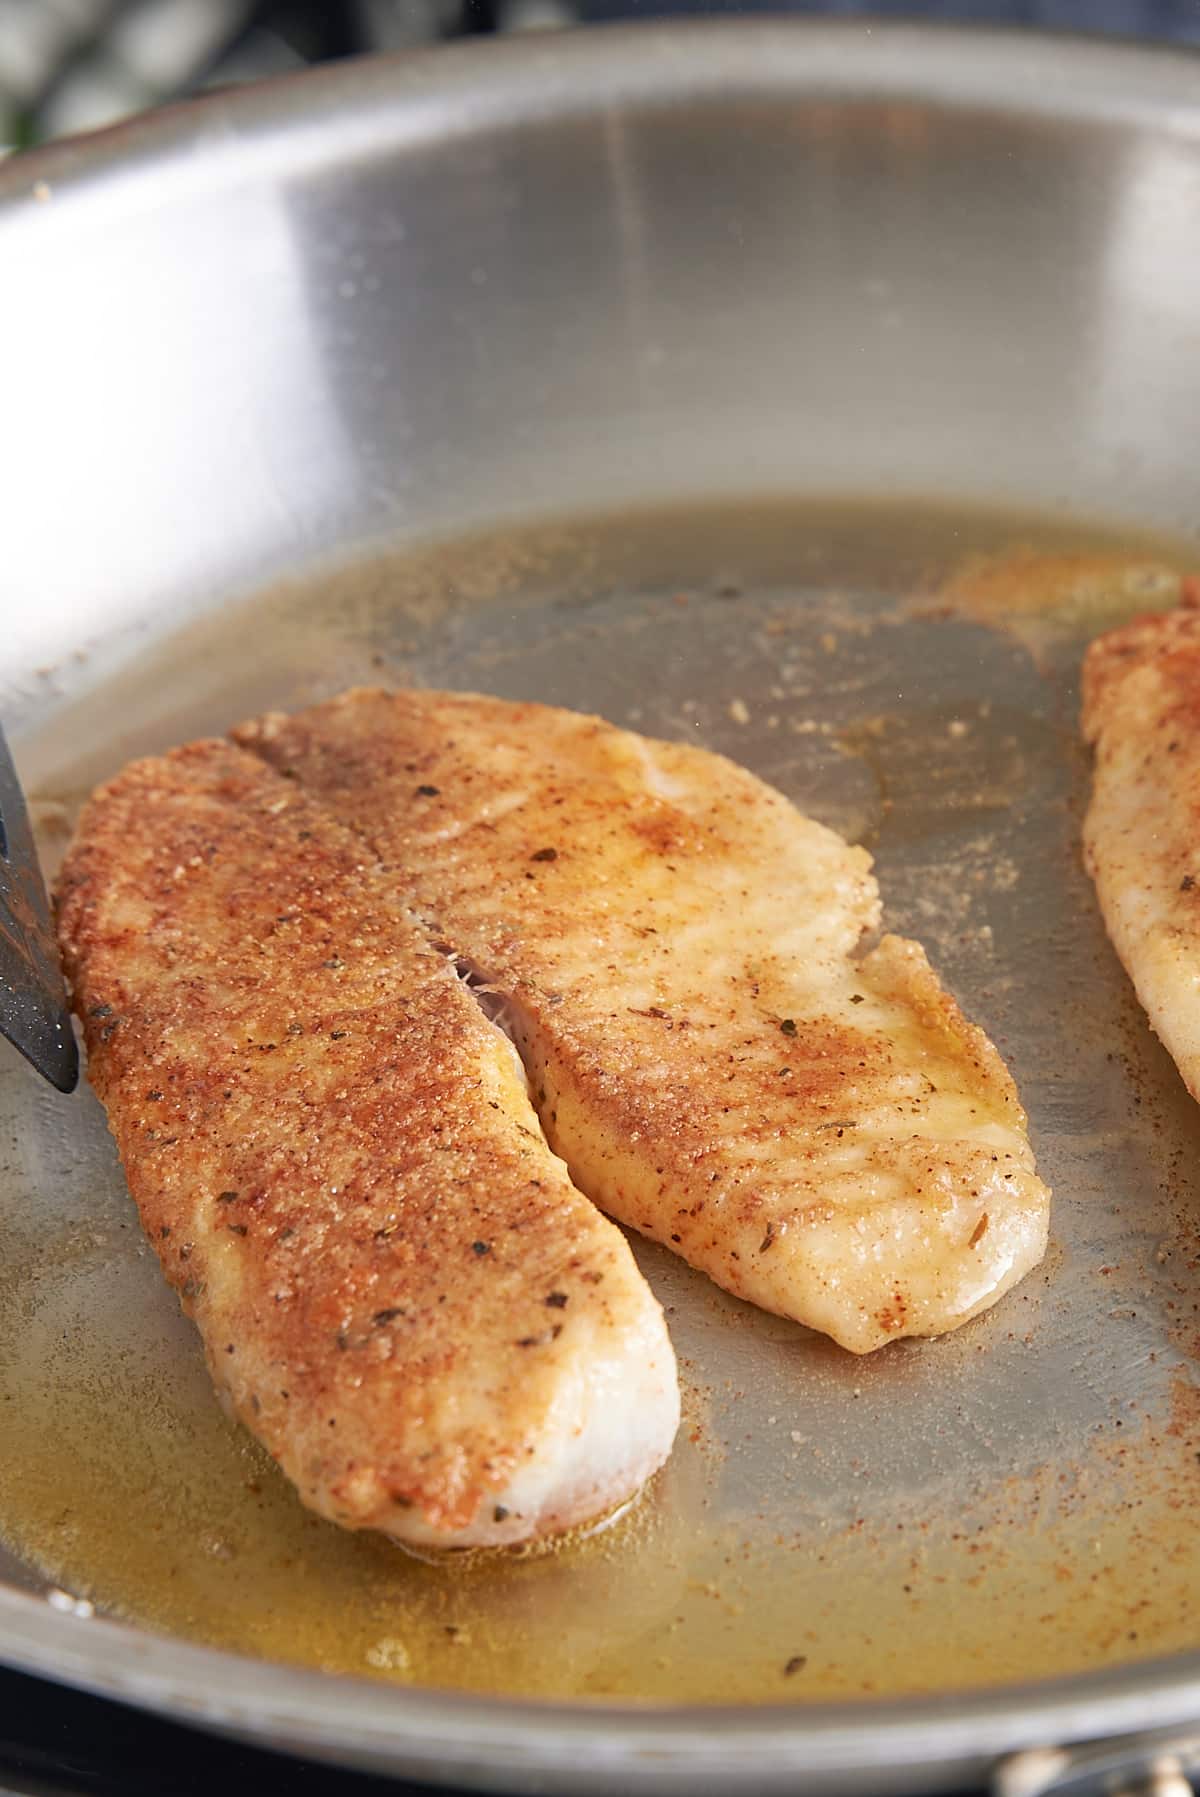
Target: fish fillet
1141 711
334 1155
673 948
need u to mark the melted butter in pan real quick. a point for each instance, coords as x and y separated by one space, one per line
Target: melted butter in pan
1013 1501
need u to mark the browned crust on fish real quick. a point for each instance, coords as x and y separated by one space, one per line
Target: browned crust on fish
1166 642
334 1157
826 1136
1141 835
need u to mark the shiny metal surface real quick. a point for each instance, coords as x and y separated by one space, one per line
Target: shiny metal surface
33 999
1139 1767
281 331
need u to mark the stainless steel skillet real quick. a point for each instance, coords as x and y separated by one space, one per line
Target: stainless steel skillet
302 335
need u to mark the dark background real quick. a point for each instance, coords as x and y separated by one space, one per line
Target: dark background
66 65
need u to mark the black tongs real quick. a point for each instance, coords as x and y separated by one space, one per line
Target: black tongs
33 1002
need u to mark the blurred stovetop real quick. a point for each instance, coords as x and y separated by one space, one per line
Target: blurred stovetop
67 65
56 1743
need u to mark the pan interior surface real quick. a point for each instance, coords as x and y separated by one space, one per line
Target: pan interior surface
1010 1502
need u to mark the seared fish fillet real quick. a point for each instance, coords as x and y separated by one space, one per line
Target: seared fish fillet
1141 710
335 1158
672 947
